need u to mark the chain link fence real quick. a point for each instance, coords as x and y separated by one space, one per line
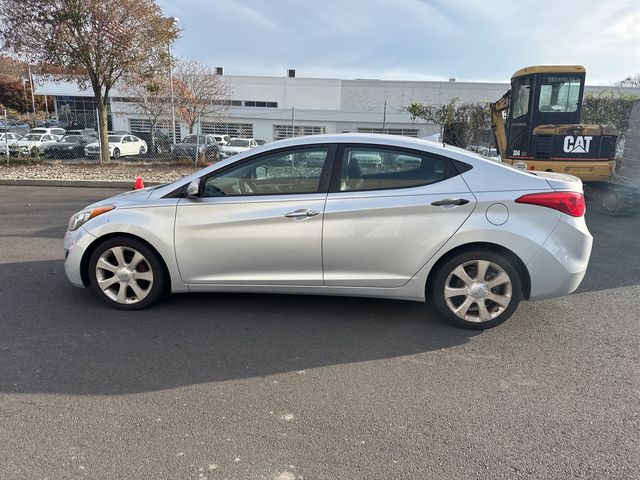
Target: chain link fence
134 138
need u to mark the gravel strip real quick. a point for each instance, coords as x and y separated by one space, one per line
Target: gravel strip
114 172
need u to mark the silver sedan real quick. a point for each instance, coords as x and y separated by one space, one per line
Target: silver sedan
357 215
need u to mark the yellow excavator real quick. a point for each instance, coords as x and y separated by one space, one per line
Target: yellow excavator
542 131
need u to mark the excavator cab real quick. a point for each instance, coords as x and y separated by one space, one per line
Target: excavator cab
542 131
542 98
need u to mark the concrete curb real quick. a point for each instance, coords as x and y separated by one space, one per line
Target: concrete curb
72 183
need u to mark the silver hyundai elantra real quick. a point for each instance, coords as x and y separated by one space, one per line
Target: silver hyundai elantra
357 215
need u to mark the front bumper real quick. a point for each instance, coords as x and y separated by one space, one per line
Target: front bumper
75 245
20 150
560 265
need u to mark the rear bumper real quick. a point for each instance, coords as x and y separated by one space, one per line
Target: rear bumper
560 265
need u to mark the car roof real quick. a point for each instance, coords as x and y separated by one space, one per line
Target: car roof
492 176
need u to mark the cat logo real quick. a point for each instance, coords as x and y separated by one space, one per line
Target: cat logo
577 144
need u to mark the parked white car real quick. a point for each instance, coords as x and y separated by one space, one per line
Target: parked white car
223 140
49 130
9 139
32 144
119 146
489 152
239 145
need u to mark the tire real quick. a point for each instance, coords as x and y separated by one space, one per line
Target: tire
142 151
133 287
35 152
116 153
465 310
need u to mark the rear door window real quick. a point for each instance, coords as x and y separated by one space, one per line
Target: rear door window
380 168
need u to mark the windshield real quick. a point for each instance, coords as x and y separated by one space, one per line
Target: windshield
72 138
32 137
39 130
238 142
559 93
193 138
115 138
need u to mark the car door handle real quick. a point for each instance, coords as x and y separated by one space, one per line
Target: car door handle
450 201
302 213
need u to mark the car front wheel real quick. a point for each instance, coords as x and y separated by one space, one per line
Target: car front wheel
127 274
476 289
116 153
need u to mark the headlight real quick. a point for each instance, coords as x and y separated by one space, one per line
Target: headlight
83 216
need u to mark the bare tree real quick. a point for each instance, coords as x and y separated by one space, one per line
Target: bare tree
630 81
150 98
101 40
199 92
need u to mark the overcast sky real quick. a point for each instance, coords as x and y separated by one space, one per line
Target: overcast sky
484 40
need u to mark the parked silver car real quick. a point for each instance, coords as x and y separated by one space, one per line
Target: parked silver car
316 215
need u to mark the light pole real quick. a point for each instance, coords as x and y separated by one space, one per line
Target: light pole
33 100
173 108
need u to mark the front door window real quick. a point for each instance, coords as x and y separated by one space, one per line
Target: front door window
296 171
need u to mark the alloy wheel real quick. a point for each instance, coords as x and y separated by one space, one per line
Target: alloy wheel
478 291
124 275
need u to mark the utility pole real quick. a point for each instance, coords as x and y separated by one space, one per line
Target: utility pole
293 116
173 108
384 119
197 141
6 136
24 90
33 100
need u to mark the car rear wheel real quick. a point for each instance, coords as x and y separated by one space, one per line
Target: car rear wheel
477 289
142 151
127 274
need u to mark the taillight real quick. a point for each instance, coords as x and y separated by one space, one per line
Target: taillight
571 203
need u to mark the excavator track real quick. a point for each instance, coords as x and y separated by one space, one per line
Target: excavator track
612 198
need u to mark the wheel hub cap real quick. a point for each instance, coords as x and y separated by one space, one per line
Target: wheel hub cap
124 275
478 290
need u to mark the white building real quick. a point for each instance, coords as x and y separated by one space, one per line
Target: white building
270 108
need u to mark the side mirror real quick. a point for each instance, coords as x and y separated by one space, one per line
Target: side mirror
192 190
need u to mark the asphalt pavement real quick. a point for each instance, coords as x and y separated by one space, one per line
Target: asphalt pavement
296 387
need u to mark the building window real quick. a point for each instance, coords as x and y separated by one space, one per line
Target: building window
244 130
141 126
130 100
261 104
79 112
407 132
286 131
